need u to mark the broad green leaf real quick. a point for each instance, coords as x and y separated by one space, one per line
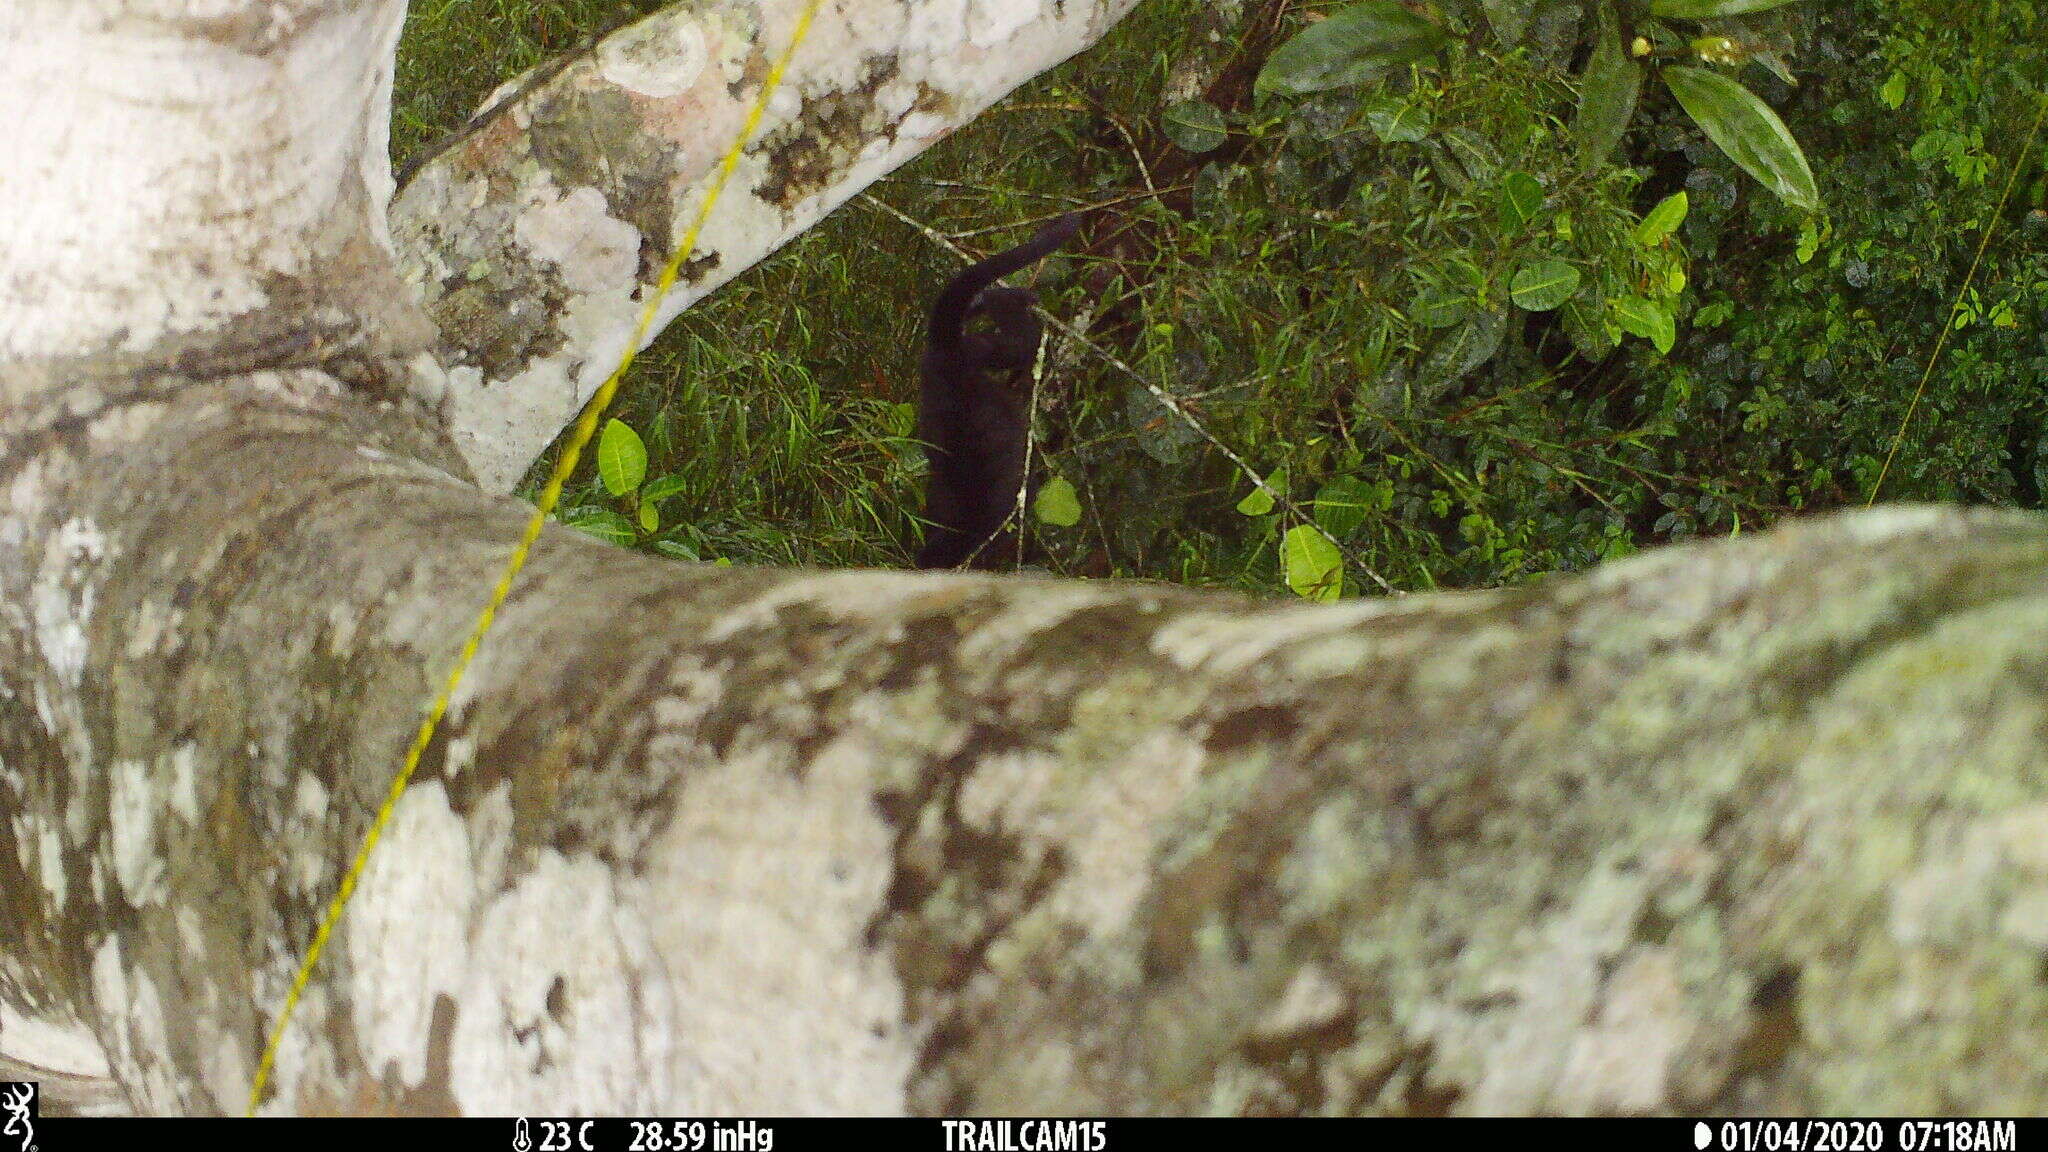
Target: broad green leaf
1466 160
1748 131
1260 501
1351 47
621 458
602 523
1709 9
1313 567
1543 285
1196 126
1519 199
1437 306
1460 350
1057 503
1396 121
1662 220
1607 92
1342 504
1648 319
650 518
675 550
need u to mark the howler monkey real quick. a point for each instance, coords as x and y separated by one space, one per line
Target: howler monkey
972 411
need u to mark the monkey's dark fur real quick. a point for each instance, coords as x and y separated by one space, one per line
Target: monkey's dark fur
972 405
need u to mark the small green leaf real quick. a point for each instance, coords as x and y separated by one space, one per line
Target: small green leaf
1260 501
602 523
675 550
1543 285
1195 126
1342 504
650 518
1396 121
1351 47
663 487
1608 91
621 458
1312 565
1748 131
1809 240
1057 503
1519 200
1648 319
1894 91
1709 9
1662 220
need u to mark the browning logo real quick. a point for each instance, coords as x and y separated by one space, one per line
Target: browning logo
17 1117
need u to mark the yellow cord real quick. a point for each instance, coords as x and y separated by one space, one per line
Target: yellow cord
1948 322
586 427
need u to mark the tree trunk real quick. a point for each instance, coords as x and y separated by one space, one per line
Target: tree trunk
1754 826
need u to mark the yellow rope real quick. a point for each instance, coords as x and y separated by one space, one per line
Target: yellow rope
586 427
1948 322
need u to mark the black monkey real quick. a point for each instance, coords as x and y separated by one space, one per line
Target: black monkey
971 411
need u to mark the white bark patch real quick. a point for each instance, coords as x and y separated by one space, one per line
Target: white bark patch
134 806
490 840
562 989
184 789
309 808
129 1001
1223 644
1515 1056
659 57
407 931
208 164
66 1046
765 884
991 22
63 596
590 249
49 844
1313 999
874 595
1109 826
156 628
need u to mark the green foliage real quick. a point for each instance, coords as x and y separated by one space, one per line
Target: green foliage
1708 9
1748 131
1352 46
1195 126
1057 503
1504 307
1314 568
1608 91
621 457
